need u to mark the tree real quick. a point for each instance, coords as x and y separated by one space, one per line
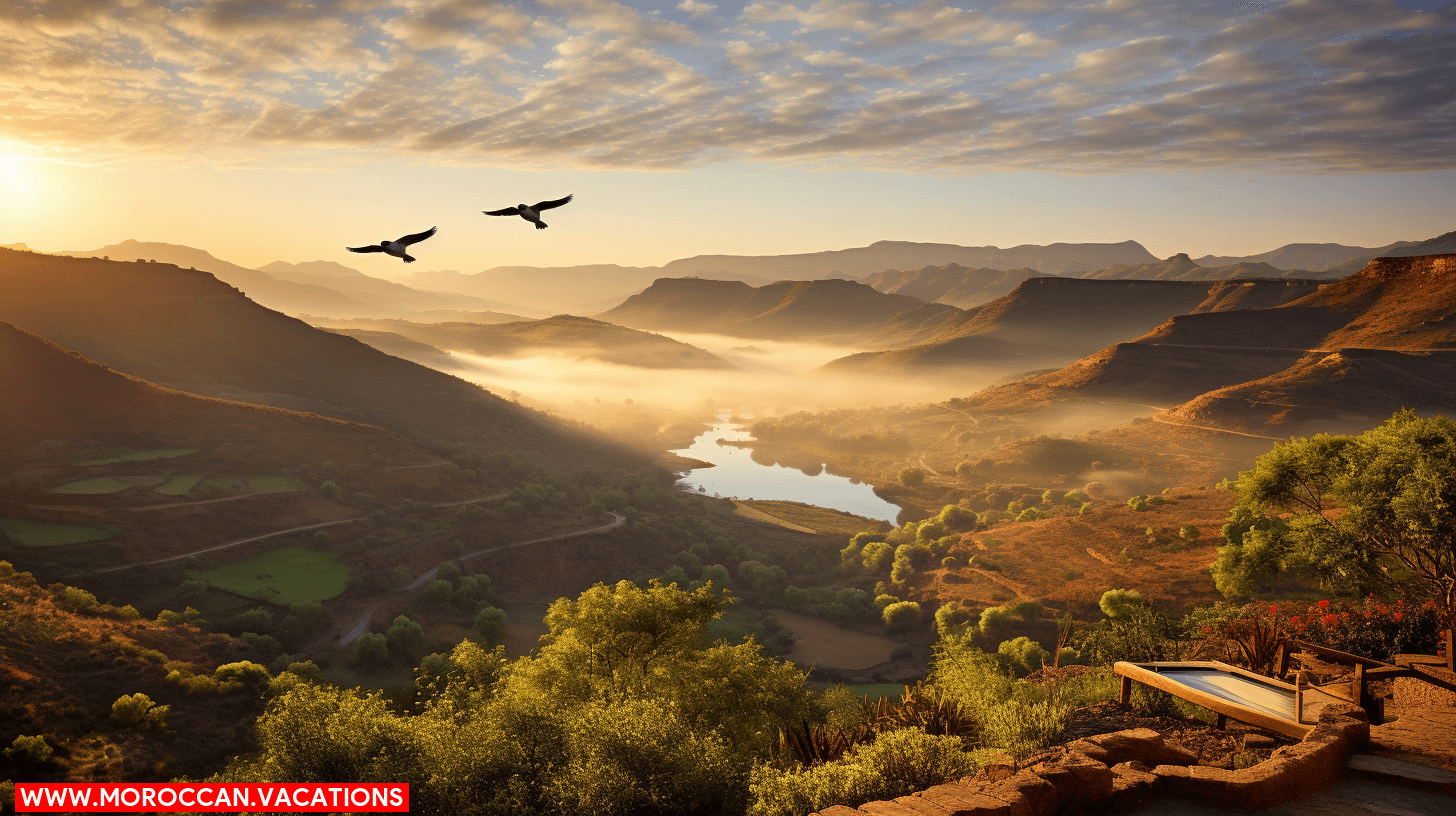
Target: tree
490 624
371 650
1396 486
912 477
901 615
405 638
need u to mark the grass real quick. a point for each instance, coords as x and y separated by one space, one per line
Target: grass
31 533
272 484
141 456
93 487
892 690
286 576
179 485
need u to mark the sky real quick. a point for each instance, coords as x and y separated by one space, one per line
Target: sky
264 130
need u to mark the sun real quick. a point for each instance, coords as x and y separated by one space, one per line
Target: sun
17 181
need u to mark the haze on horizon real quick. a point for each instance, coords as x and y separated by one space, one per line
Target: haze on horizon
269 130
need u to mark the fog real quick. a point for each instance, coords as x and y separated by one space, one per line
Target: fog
771 377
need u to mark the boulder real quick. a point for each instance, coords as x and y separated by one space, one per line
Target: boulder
1134 786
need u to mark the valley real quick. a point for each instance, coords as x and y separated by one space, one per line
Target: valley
349 493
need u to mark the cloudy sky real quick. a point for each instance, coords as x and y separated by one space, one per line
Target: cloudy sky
269 130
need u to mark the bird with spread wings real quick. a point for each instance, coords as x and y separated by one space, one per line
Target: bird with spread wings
531 213
396 248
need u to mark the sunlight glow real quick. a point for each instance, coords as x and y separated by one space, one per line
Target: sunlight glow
17 183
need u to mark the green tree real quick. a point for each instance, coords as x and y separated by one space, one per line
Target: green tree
490 624
371 651
1396 486
901 616
406 638
912 477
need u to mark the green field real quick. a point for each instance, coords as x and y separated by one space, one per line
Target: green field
286 576
141 456
179 485
272 484
31 533
96 486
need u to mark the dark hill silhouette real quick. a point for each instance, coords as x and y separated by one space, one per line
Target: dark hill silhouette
580 337
58 401
951 284
185 330
1318 361
1050 321
839 310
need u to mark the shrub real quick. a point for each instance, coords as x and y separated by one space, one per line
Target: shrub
901 615
138 710
490 624
1119 602
912 477
243 673
1022 655
78 599
371 650
948 562
876 556
129 612
885 600
1074 498
405 638
257 619
439 593
34 750
897 763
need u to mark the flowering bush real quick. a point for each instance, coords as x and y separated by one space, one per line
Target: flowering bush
1370 627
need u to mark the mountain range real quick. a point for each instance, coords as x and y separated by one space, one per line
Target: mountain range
185 330
566 335
1338 358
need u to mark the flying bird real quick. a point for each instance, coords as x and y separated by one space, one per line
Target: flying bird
530 213
396 248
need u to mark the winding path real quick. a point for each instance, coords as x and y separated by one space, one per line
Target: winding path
362 625
275 533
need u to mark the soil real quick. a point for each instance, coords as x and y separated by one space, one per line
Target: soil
1214 747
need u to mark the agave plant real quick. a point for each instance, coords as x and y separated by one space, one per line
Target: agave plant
815 744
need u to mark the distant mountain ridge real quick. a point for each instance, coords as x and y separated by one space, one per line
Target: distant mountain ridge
1312 257
825 309
581 337
1182 267
1337 359
1050 321
951 284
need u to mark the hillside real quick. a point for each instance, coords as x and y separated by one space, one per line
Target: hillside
1049 321
283 295
576 337
58 404
1351 352
541 291
951 284
841 310
185 330
63 662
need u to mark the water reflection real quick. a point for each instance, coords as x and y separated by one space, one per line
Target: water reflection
740 473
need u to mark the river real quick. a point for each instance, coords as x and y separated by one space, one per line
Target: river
736 476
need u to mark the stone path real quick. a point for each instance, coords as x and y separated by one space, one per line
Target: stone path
1426 735
1352 797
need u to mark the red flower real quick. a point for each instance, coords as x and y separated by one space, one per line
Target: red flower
1397 616
1324 604
1294 620
1331 620
1273 610
1207 631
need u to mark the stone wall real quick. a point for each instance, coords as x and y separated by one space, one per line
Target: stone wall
1127 770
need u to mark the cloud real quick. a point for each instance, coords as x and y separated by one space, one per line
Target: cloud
919 86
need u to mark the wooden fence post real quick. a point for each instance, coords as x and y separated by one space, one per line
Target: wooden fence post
1124 690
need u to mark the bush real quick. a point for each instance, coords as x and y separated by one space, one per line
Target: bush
1120 602
33 750
243 673
912 477
1022 655
129 612
371 651
901 615
490 624
138 710
78 600
897 763
406 639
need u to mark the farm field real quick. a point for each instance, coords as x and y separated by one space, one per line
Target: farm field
179 485
31 533
93 487
272 484
140 456
823 643
285 576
